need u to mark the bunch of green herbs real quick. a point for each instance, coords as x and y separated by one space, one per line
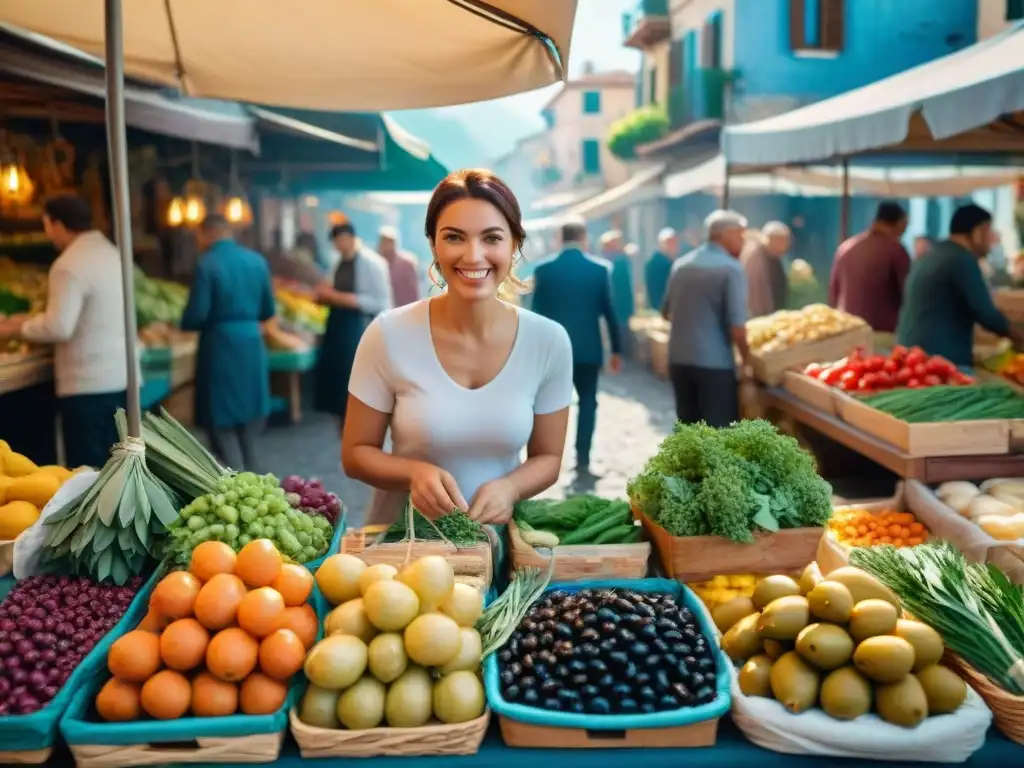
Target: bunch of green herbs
731 482
457 527
178 458
502 617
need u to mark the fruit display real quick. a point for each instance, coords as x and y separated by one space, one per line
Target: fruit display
973 607
48 624
311 497
158 301
996 506
789 327
162 335
723 589
24 490
300 311
399 648
901 368
854 527
244 508
949 403
731 482
609 651
1009 364
843 646
583 519
23 282
225 636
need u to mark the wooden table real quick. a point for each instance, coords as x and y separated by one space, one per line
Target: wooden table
937 469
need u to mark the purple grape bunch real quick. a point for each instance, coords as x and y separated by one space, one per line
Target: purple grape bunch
311 497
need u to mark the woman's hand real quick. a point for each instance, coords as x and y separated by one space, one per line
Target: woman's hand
494 501
434 492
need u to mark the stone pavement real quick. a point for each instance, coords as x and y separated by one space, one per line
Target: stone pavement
635 411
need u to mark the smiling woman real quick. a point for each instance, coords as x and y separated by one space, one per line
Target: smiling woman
464 380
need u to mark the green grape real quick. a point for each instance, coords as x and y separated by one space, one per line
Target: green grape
228 514
199 537
263 509
202 505
242 540
250 501
269 532
307 554
255 529
231 497
291 544
255 492
216 530
247 514
304 538
187 512
223 486
317 539
321 522
249 478
196 523
230 532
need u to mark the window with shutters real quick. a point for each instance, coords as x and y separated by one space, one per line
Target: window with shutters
592 102
1014 10
652 86
591 156
817 25
711 42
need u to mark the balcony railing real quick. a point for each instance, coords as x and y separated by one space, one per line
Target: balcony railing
701 97
646 24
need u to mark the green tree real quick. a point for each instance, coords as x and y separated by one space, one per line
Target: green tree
641 126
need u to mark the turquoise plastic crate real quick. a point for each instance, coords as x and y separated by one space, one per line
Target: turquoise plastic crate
335 543
39 730
672 719
81 726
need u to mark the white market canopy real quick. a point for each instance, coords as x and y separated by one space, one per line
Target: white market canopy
355 55
970 101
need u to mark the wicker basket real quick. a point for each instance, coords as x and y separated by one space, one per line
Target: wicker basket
1007 709
582 561
434 739
258 748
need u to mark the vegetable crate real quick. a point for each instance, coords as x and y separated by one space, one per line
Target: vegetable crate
951 438
697 558
582 561
770 367
531 727
810 391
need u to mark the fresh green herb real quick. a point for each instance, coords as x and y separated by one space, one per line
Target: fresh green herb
975 608
178 458
502 616
457 527
730 482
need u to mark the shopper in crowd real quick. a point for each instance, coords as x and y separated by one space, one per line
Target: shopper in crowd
707 307
767 284
658 267
403 267
464 380
231 298
357 290
84 321
574 289
870 268
613 249
947 296
922 246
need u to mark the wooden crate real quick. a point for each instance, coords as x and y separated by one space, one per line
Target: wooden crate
769 367
1010 302
574 562
947 438
658 345
809 390
257 748
696 558
25 756
518 734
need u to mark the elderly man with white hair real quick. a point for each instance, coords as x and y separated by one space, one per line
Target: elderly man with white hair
403 267
658 267
707 306
613 248
767 286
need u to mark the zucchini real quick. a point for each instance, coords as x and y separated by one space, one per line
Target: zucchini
616 514
618 534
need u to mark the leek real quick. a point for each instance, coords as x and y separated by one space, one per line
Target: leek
178 458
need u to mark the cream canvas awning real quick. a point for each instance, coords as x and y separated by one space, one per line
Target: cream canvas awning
357 55
962 102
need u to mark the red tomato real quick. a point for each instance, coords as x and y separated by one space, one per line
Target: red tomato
884 380
814 369
868 381
831 375
902 376
931 380
857 354
915 358
914 384
898 352
890 366
850 379
920 370
961 378
874 363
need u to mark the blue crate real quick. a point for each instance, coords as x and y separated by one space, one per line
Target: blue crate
39 730
672 719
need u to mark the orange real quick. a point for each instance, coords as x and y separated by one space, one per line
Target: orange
217 603
175 595
183 644
211 558
134 657
231 654
118 702
212 697
153 622
295 584
261 612
303 622
260 695
258 563
166 695
281 654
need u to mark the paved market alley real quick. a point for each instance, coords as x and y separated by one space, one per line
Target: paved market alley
635 412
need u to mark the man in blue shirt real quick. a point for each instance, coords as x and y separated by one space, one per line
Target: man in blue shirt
574 289
706 304
613 249
659 266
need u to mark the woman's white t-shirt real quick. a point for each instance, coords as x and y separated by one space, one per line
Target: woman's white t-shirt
477 435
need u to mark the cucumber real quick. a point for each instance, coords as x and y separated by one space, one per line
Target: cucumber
587 534
616 535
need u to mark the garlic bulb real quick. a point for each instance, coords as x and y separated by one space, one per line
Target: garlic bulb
961 502
956 488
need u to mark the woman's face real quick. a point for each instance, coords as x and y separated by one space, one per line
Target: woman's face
473 246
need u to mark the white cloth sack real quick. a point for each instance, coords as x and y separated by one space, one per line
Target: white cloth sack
29 545
939 739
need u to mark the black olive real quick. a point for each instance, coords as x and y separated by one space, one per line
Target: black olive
661 680
506 677
504 655
557 596
550 685
648 707
590 635
606 681
618 658
644 609
649 632
623 606
589 690
690 633
682 693
607 614
547 657
541 671
630 671
554 704
682 649
660 645
511 693
529 643
686 615
647 693
665 624
587 607
689 661
547 640
513 645
589 651
564 650
621 690
578 680
515 668
683 670
527 661
705 663
562 672
642 678
548 625
529 625
597 666
670 660
577 707
628 706
527 681
547 613
563 631
696 680
608 629
531 697
652 661
638 649
672 636
705 694
632 620
578 625
590 619
668 701
608 645
599 706
571 616
625 636
710 678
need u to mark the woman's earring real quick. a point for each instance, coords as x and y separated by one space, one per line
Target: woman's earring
436 277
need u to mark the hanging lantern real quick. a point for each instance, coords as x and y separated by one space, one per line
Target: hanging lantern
195 210
176 212
15 185
237 211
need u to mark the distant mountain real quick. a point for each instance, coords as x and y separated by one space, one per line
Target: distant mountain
469 134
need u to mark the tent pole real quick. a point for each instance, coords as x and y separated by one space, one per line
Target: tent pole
117 147
724 202
844 211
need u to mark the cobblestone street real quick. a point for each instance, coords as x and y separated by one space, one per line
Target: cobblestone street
635 412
